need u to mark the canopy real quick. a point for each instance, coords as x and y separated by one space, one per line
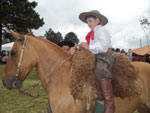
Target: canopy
7 46
142 51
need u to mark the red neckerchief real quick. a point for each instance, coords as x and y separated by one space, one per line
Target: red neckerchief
89 35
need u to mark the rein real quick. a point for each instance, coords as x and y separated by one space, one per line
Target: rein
26 92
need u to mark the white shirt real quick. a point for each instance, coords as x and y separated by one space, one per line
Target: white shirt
101 42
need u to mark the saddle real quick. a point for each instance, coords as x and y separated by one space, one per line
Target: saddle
83 82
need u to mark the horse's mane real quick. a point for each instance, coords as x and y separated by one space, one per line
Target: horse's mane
46 41
49 43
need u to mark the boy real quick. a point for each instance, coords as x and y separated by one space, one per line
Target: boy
98 42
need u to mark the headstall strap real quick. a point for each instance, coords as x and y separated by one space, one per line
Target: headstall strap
21 56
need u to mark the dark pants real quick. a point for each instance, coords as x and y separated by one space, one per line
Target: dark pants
103 66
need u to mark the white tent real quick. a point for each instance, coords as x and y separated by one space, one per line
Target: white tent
7 46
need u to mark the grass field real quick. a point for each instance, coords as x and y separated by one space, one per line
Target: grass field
11 101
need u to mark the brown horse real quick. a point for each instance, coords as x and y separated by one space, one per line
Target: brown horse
46 57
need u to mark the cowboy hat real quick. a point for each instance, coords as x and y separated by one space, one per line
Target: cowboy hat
67 43
95 13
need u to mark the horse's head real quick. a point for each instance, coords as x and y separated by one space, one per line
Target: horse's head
20 62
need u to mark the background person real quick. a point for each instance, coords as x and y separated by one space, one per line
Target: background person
66 45
129 54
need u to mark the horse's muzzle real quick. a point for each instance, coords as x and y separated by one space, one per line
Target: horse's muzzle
4 84
13 83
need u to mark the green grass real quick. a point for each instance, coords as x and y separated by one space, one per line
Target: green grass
11 101
136 111
1 69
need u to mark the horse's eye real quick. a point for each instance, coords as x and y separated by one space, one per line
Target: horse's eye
13 53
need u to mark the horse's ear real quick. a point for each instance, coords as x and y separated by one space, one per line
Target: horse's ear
16 35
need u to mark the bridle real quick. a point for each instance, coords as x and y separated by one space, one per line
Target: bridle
21 56
26 92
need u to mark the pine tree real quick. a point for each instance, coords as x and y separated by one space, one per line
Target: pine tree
72 37
18 15
52 36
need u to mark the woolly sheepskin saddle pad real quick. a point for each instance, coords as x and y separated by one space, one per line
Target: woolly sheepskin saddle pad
83 82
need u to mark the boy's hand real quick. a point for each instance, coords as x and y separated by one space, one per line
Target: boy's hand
84 44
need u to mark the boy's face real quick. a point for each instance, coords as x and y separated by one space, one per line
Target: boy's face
92 22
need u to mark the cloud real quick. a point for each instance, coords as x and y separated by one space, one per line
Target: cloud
123 15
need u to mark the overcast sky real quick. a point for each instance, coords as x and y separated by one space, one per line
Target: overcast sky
123 16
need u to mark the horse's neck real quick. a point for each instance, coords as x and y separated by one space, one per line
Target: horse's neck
49 58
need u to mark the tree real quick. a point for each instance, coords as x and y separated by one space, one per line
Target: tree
7 37
145 23
18 15
52 36
71 37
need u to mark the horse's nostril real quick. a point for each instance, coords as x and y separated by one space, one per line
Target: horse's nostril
4 84
14 84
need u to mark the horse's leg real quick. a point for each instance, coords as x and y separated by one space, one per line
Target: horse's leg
49 107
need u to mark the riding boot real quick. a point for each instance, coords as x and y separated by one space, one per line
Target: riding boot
107 91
